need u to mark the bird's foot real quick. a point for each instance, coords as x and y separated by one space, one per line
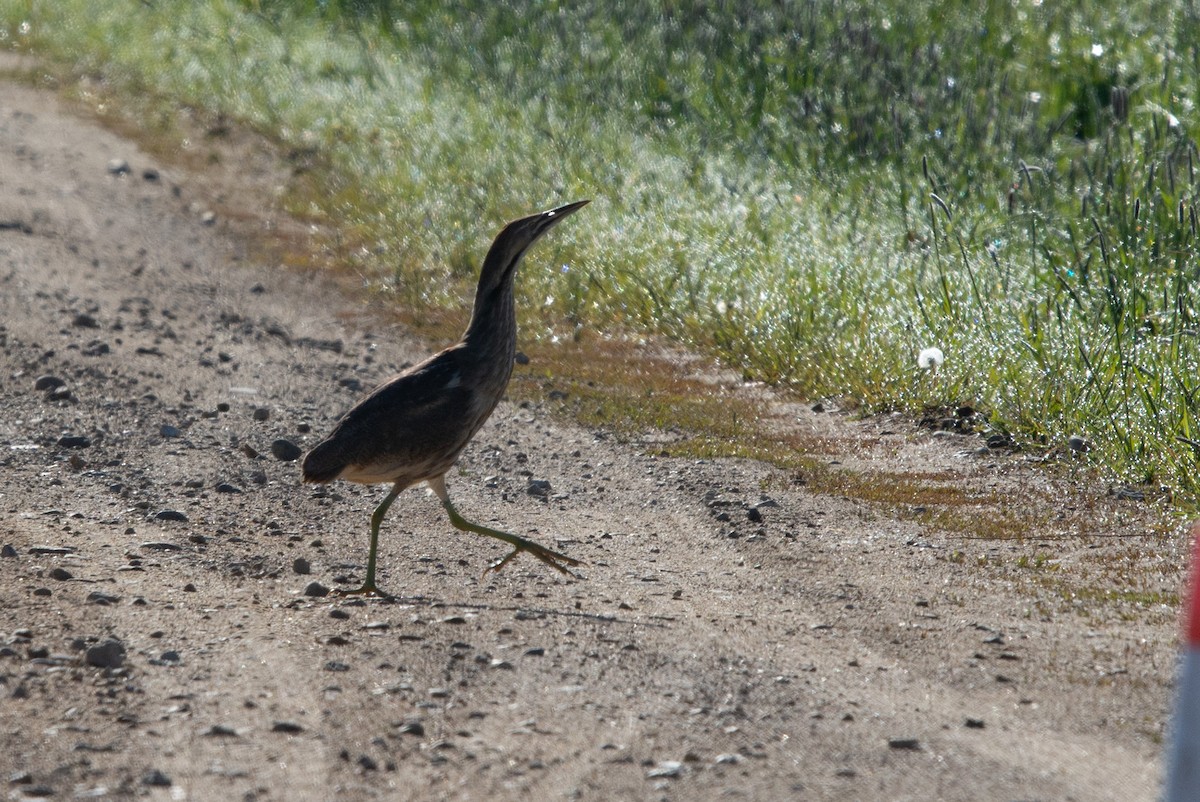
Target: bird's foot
368 589
552 558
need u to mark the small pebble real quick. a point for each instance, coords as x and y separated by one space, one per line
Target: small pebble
61 574
220 731
904 743
158 545
167 430
316 589
538 487
262 413
117 166
156 778
73 441
411 728
225 487
85 321
170 515
8 551
667 768
285 450
47 382
290 727
96 597
301 566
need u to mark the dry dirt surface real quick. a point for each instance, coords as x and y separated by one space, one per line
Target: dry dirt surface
732 635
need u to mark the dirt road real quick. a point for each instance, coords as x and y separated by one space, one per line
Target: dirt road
731 636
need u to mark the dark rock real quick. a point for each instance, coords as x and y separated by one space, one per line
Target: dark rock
904 743
225 487
262 414
170 515
167 430
74 441
47 382
301 566
316 589
8 551
290 727
538 487
108 654
285 450
61 574
156 778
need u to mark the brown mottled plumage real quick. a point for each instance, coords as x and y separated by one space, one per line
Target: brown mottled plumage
413 427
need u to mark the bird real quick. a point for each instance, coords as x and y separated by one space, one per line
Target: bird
414 425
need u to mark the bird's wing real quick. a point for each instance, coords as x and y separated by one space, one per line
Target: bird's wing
415 419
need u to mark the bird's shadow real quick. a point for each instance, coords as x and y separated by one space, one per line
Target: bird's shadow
521 612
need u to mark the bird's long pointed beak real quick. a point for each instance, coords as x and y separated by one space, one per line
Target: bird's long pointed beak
563 211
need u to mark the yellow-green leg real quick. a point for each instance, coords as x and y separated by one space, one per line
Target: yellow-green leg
519 544
368 587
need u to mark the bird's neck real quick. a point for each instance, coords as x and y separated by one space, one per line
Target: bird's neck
492 333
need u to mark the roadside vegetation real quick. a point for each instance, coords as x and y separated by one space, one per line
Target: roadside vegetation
813 192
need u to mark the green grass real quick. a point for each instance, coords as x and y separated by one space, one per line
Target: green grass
813 192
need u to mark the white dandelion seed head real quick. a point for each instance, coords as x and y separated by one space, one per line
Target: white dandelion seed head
930 358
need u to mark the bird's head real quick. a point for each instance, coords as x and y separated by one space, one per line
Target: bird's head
512 242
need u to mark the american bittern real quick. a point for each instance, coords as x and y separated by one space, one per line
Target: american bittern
413 427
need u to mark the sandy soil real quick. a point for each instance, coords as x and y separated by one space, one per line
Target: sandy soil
732 634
